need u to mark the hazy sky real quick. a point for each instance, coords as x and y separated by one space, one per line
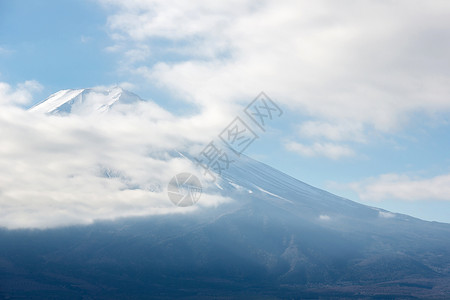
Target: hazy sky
364 85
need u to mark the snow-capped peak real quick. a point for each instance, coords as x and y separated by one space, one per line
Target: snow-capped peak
84 100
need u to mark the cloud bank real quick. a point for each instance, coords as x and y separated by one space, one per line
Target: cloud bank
66 170
22 94
356 66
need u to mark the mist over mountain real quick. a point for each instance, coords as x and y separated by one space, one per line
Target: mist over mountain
270 236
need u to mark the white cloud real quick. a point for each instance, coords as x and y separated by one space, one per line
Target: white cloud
334 132
386 215
137 54
328 150
57 171
22 94
324 218
403 187
369 64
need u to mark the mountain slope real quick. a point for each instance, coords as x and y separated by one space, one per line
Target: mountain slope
278 238
272 241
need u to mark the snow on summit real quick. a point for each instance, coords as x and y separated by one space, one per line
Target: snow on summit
81 101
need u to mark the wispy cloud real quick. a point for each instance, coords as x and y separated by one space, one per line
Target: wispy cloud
386 215
329 150
4 50
334 132
85 39
403 187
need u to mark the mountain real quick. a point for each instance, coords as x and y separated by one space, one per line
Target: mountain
84 100
279 238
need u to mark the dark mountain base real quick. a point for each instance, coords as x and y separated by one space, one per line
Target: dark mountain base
58 286
203 259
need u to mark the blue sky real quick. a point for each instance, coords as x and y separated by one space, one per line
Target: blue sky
364 87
